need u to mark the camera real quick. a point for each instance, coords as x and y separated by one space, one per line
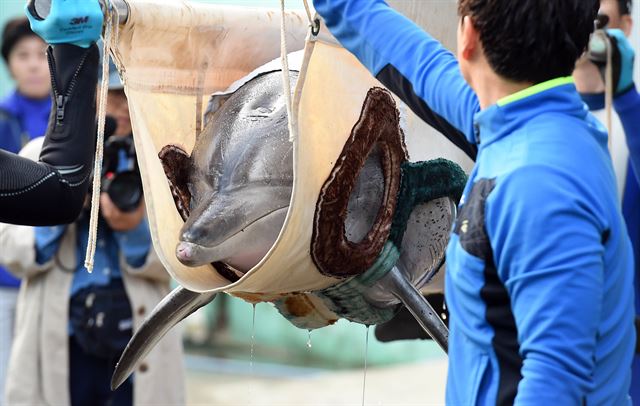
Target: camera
599 42
120 172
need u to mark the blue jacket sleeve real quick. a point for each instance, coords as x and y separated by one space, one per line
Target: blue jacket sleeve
47 242
9 133
627 106
409 62
545 241
135 244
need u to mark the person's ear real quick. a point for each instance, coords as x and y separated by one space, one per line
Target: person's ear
626 24
470 39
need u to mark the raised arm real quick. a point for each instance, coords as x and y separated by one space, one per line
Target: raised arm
409 62
627 100
627 106
52 191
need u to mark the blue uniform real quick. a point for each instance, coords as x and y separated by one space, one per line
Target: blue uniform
627 105
21 120
540 270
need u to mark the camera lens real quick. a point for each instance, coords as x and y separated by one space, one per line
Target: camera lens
125 190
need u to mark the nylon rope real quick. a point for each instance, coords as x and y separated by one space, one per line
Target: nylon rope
286 82
308 10
608 92
97 167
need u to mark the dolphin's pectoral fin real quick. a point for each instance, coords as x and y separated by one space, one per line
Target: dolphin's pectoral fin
174 308
176 162
227 272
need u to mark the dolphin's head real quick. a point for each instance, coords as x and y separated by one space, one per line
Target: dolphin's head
246 221
241 179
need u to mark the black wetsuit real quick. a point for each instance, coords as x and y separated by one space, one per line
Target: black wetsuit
53 190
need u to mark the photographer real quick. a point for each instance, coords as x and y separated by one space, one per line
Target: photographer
615 18
72 325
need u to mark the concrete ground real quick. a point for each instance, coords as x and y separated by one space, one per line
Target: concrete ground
237 383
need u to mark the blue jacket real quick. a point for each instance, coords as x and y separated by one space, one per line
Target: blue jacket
627 106
21 120
539 266
10 134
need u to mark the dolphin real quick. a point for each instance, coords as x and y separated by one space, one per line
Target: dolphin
238 180
233 193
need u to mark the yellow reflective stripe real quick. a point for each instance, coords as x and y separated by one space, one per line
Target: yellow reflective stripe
535 89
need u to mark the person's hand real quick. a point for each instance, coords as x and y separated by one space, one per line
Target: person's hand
587 77
622 60
77 22
119 220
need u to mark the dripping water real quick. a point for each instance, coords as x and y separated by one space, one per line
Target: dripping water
253 336
309 340
253 343
366 352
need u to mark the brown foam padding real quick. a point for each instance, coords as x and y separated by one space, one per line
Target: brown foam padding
378 125
176 163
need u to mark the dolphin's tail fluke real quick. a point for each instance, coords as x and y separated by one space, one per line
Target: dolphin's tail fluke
174 308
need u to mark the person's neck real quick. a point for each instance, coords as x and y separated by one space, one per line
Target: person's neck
490 87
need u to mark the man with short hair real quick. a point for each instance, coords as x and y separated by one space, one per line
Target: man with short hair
615 16
539 265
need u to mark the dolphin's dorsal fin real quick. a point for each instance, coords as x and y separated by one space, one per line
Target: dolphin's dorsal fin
176 162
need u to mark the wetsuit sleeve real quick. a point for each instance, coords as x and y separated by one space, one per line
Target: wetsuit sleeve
52 191
627 105
409 62
548 250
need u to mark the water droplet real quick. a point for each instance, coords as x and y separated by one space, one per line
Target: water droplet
309 340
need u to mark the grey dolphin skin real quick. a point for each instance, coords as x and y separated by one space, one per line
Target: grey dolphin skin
241 177
234 193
